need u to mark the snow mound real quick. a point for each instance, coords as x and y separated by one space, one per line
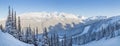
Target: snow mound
8 40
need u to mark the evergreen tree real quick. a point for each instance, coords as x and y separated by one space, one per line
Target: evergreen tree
65 40
14 20
1 28
19 29
70 42
45 41
28 35
36 38
54 39
57 40
51 40
62 43
8 25
22 38
32 36
13 31
36 33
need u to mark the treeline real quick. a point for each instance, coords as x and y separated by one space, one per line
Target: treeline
54 40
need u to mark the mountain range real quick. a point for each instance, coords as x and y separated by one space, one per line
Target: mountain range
82 29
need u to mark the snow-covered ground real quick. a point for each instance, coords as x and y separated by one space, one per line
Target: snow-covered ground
8 40
84 31
103 42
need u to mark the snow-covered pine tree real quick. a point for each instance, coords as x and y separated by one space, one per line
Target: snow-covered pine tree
15 22
112 30
36 34
1 27
33 36
62 43
45 40
54 39
23 38
64 40
19 29
70 41
28 35
36 37
57 40
8 25
51 40
108 32
13 26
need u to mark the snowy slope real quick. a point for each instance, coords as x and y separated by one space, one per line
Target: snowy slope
111 23
103 42
109 42
8 40
84 31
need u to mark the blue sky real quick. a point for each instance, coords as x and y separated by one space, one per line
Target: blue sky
78 7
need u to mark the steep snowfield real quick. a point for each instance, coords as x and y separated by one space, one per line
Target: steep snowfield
85 30
8 40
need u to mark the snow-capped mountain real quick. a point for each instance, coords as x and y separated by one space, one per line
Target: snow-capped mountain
92 29
45 19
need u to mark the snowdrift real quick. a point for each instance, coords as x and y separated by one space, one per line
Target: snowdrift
8 40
